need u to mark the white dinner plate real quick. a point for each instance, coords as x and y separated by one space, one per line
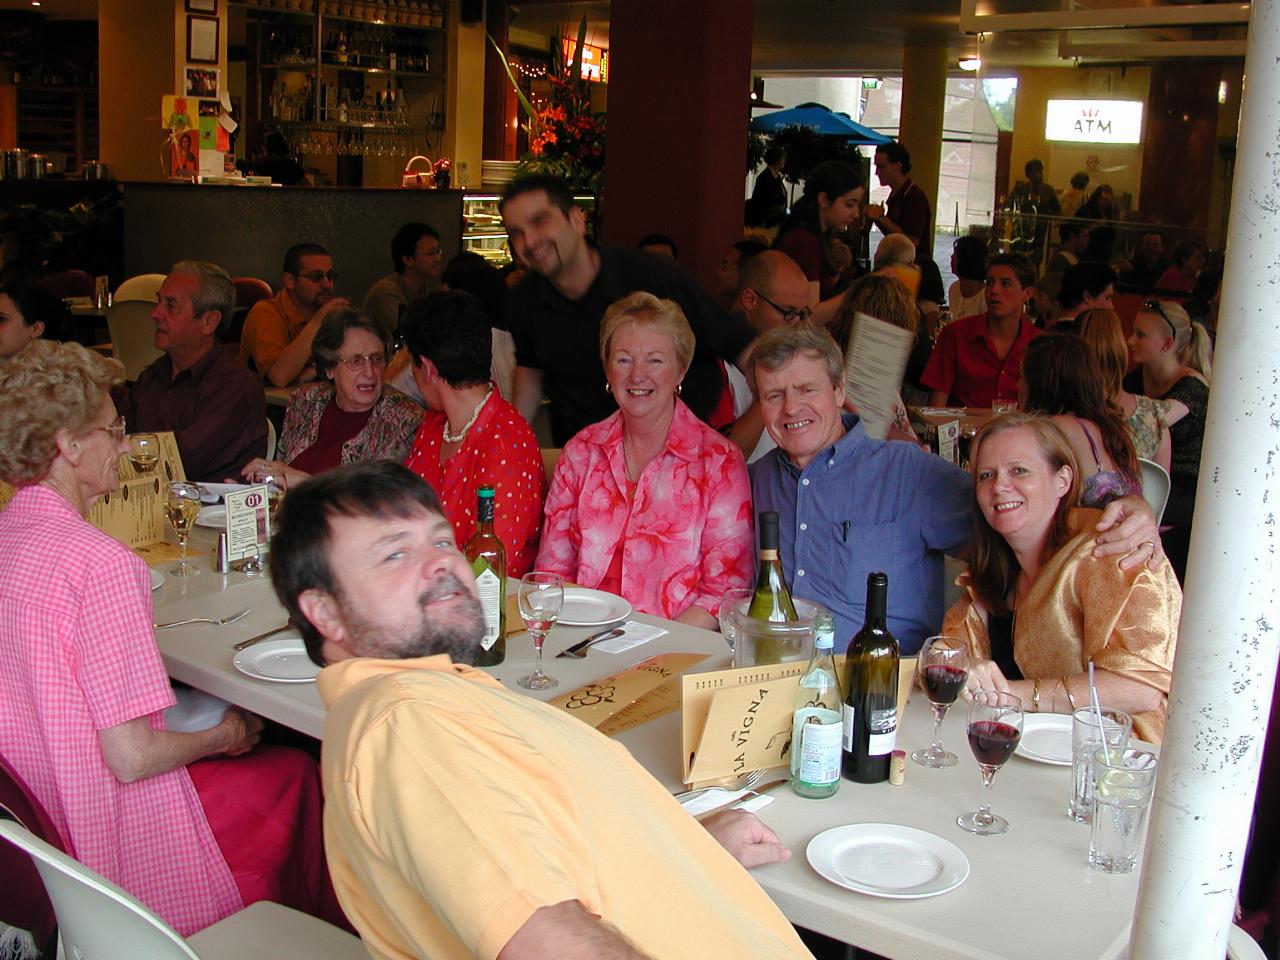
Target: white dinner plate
591 608
283 660
888 860
157 579
214 492
1046 738
212 517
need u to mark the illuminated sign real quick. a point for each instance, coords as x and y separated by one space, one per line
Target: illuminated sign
1094 121
595 60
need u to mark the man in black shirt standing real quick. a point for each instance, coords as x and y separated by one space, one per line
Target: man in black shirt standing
554 313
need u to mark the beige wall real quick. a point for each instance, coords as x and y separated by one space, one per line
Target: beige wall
464 100
1120 166
142 51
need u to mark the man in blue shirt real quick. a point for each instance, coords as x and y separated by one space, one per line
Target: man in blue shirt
849 505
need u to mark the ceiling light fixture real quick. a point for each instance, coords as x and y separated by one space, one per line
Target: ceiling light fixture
969 63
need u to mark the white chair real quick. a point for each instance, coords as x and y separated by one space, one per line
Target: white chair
1241 946
132 335
144 286
1155 486
99 921
271 439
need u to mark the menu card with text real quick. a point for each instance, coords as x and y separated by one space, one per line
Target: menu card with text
636 695
874 364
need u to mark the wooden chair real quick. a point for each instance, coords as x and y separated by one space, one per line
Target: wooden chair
249 290
98 920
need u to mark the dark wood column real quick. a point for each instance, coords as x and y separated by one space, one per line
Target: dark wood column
1180 143
679 78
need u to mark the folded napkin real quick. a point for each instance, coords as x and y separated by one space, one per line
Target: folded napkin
717 797
634 633
194 711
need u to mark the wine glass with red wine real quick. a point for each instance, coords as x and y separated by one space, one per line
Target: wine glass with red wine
995 727
943 666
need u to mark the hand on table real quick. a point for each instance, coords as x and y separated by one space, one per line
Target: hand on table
746 838
243 730
1128 529
985 675
259 469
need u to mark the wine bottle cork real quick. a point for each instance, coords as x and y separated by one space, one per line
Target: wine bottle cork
897 767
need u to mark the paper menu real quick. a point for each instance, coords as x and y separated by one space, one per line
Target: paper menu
248 522
631 696
735 721
949 441
874 364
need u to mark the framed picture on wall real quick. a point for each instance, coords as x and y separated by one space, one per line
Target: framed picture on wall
202 39
202 6
201 82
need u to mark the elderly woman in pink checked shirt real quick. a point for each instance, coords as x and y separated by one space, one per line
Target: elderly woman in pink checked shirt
83 689
650 503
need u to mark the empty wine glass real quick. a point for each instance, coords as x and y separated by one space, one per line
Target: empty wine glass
144 451
944 667
995 727
541 597
182 506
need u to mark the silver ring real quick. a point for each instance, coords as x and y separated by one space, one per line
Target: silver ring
1152 546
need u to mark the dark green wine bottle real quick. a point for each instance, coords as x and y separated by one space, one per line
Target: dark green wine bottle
871 679
488 560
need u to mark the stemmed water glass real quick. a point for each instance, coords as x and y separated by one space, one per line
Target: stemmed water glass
182 506
995 727
144 451
944 667
541 597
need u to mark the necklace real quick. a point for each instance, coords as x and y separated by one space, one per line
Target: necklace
475 412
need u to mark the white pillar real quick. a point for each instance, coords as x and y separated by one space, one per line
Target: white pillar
1227 645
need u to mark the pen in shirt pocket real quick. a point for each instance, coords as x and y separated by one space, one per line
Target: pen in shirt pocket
844 531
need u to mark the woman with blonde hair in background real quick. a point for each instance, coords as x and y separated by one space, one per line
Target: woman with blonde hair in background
1174 358
1146 420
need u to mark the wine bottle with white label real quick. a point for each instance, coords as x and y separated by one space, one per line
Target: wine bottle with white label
488 559
815 726
871 679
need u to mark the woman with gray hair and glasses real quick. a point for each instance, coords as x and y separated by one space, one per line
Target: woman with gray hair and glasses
83 691
349 415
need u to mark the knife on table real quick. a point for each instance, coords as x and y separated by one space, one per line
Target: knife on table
583 644
262 636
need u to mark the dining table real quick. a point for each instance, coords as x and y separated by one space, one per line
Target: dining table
1029 893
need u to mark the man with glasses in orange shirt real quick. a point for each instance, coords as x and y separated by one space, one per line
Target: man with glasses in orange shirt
278 332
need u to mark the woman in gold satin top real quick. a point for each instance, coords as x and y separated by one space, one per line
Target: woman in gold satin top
1041 607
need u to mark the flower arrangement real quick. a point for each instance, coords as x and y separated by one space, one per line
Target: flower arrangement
565 137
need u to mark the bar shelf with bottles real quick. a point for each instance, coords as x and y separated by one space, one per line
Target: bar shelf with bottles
422 14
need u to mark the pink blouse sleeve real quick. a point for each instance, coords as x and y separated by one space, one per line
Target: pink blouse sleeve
727 537
561 534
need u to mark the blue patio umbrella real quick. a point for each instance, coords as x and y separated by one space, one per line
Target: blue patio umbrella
822 119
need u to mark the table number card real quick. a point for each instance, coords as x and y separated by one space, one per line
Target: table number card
949 441
248 523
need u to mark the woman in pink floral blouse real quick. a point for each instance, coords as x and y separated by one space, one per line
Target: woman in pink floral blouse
650 503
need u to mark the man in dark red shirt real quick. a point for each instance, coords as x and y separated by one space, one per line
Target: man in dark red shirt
979 358
204 394
907 210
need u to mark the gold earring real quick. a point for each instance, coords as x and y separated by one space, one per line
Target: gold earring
607 387
679 388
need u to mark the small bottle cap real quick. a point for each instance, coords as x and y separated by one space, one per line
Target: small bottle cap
897 767
486 491
769 530
824 631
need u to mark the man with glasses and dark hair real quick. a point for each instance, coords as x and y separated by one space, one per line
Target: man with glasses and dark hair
278 332
213 405
554 313
497 825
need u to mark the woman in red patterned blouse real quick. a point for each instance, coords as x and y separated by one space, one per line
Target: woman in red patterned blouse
471 436
650 503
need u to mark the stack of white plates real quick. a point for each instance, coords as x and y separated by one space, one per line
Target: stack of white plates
495 174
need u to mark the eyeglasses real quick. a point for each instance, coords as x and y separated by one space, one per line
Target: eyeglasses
789 314
115 428
1154 307
318 276
375 360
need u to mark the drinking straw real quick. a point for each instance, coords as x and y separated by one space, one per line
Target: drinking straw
1097 712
